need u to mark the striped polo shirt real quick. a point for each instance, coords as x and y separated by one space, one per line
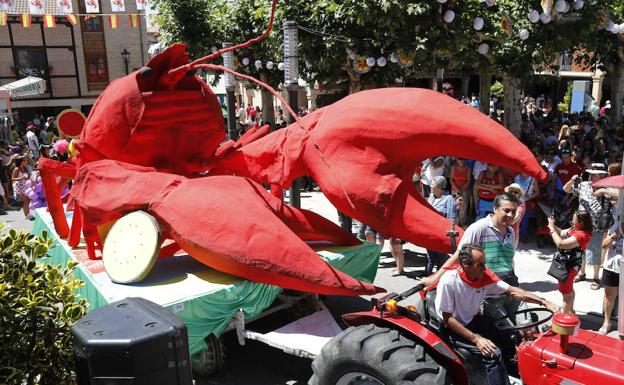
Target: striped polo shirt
499 249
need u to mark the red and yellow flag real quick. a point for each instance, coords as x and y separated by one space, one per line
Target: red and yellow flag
3 18
49 21
134 20
26 20
73 19
113 21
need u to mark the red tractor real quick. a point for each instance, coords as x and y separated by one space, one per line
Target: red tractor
393 344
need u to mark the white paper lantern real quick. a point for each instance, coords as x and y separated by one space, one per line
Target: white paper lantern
534 16
245 61
442 1
523 33
483 48
578 4
394 57
269 65
609 26
214 49
560 6
490 3
477 23
258 64
381 61
280 66
449 16
370 61
545 18
352 56
567 8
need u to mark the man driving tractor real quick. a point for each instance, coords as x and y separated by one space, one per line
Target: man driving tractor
459 297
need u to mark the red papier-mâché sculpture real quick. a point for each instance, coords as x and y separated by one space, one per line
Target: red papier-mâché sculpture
155 141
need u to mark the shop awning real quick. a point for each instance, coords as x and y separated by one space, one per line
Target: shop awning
28 86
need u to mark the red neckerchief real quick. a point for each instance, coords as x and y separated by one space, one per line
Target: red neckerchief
487 278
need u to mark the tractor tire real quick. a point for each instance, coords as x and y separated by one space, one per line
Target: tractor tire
211 359
373 355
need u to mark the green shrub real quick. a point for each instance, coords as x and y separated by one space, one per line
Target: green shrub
497 89
37 308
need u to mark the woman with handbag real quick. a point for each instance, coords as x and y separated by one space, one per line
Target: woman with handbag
571 244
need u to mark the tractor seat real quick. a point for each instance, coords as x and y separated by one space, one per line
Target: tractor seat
435 321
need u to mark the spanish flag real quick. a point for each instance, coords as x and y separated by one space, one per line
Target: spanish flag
48 21
134 20
26 20
3 18
73 19
113 21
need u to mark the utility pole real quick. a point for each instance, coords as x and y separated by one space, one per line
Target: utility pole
228 62
291 81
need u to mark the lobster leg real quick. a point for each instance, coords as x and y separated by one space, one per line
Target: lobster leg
74 235
48 169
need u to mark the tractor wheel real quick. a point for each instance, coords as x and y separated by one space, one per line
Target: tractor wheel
211 359
372 355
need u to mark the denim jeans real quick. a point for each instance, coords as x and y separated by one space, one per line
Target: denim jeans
495 369
434 259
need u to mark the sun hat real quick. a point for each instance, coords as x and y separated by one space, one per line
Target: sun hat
596 168
514 187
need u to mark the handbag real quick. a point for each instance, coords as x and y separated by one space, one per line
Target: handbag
558 269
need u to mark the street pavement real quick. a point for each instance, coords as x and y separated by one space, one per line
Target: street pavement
256 363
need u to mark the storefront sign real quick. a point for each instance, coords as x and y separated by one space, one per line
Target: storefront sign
29 86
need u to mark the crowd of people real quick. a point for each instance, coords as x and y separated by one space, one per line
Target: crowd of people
21 146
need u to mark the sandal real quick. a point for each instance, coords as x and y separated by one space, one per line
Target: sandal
604 330
580 277
397 273
595 285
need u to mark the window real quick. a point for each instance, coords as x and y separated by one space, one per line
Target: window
96 69
93 24
31 62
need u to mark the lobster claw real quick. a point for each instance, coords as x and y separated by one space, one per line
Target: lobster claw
363 151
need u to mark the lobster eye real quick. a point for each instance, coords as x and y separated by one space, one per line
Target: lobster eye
146 72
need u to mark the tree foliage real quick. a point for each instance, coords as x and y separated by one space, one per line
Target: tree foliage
334 30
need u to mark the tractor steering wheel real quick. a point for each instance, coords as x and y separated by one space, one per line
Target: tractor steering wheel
517 326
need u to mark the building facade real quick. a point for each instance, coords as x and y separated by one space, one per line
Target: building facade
77 61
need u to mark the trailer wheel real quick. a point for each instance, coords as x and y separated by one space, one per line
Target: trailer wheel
372 355
211 359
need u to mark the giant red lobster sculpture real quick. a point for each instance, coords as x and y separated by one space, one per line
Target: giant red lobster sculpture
151 133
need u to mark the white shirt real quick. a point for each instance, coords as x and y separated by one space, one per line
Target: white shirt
552 165
33 143
614 253
462 300
478 168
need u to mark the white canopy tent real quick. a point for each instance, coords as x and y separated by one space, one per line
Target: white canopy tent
28 86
